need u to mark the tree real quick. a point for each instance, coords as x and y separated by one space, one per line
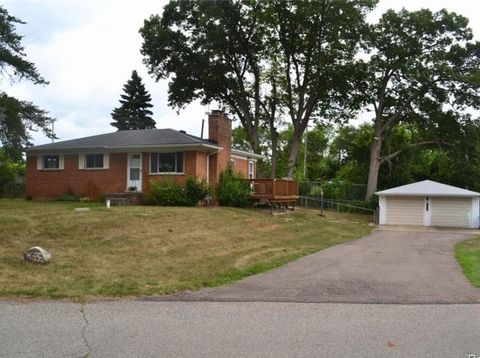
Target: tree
423 71
259 59
17 118
134 111
9 170
316 42
210 50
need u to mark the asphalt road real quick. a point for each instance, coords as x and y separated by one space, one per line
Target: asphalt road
237 329
384 267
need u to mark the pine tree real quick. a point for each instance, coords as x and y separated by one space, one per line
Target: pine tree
17 118
134 111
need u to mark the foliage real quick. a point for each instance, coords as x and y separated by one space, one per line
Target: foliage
17 118
9 170
13 62
267 62
167 192
233 189
195 190
134 111
423 71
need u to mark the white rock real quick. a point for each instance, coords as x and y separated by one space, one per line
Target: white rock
37 254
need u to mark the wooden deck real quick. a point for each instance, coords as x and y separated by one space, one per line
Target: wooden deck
274 190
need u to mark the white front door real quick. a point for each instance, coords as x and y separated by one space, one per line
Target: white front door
134 172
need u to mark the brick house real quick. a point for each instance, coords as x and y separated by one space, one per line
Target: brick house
128 160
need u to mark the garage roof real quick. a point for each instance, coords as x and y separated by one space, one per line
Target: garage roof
428 188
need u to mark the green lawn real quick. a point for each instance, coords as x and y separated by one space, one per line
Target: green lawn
468 256
147 250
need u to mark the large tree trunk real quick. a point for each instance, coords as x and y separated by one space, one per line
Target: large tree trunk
274 139
292 158
374 166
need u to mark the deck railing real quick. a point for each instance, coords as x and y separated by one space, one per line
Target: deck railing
274 189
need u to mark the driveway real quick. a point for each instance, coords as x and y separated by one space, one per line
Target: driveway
384 267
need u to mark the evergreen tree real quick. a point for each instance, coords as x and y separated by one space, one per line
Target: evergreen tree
17 118
134 111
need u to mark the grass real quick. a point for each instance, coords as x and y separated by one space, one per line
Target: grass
468 256
146 250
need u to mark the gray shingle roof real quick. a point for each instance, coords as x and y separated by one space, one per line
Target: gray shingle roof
428 188
127 138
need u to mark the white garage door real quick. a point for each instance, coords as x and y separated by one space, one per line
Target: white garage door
454 212
405 210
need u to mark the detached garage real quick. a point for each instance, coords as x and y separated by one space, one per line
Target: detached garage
429 203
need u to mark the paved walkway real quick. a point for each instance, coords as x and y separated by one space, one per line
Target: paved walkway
385 267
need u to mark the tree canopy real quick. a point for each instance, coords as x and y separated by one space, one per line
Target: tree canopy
17 118
135 103
423 71
281 65
269 63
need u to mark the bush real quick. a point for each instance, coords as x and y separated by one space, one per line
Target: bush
232 189
167 192
195 190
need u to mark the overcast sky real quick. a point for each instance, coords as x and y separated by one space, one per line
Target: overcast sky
88 49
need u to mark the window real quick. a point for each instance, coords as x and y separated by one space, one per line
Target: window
166 162
251 169
94 161
51 162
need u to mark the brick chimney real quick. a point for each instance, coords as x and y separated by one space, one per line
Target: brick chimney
220 133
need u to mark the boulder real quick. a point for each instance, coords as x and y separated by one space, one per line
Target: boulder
37 254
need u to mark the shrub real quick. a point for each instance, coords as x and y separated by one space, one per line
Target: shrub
195 190
167 192
232 189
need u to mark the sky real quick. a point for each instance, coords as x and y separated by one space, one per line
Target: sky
87 50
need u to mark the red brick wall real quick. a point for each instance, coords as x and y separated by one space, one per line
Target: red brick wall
219 130
42 184
71 180
201 165
241 165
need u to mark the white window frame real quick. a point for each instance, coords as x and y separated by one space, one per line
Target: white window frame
40 162
95 154
165 173
251 169
82 161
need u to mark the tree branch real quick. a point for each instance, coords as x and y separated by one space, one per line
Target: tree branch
414 145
